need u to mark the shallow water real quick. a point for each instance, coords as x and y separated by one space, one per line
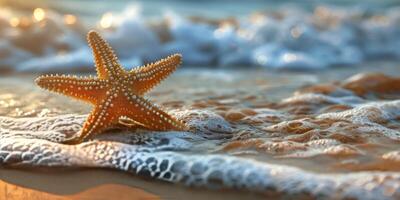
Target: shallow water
279 133
270 35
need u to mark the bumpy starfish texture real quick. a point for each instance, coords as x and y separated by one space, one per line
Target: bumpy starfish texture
116 92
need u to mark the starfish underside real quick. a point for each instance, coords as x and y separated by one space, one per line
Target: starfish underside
116 93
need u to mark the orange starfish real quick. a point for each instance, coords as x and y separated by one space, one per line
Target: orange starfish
116 93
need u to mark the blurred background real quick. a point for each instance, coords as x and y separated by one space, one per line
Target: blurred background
50 35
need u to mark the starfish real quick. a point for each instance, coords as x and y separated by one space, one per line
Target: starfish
116 93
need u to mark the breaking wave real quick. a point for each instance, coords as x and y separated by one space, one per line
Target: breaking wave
290 38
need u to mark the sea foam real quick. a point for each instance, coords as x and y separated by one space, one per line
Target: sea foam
273 149
286 38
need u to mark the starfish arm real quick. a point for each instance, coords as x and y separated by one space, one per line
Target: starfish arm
86 89
146 77
150 116
106 61
102 116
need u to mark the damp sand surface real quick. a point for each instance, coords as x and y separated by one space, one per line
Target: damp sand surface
336 121
85 184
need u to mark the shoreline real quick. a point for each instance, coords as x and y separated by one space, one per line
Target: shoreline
97 184
322 94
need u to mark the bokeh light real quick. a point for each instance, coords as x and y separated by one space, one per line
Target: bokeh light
69 19
39 14
14 22
106 20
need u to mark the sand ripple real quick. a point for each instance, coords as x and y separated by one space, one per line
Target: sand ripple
325 142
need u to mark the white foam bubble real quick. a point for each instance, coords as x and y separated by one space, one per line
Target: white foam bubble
298 39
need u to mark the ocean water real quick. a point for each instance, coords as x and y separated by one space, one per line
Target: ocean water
257 34
283 100
271 134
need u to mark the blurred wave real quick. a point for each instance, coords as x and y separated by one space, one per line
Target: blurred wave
292 37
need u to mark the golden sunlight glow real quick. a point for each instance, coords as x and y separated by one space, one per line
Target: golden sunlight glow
25 22
258 18
290 57
69 19
14 22
321 11
296 32
107 20
39 14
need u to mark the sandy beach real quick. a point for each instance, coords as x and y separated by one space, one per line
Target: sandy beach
97 185
76 183
84 184
199 100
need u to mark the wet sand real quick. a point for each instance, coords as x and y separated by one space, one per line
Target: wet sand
22 99
92 184
96 184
